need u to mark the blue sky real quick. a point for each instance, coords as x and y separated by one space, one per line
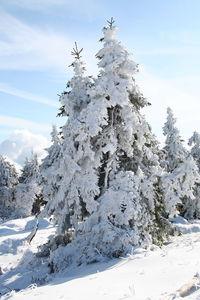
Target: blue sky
36 38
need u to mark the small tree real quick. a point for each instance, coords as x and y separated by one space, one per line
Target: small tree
194 141
49 177
8 182
174 149
179 189
179 182
28 190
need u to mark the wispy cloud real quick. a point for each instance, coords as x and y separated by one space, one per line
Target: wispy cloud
7 89
26 47
19 123
88 8
37 4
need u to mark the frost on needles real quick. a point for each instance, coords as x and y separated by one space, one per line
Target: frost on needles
108 199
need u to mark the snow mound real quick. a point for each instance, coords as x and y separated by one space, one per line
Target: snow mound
184 226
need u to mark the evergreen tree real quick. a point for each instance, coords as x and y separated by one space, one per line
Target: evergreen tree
194 141
174 149
180 180
28 190
127 151
76 176
49 177
110 169
30 169
54 150
8 182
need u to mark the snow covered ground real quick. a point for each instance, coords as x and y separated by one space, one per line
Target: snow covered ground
154 274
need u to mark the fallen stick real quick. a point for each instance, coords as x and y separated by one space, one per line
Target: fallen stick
33 232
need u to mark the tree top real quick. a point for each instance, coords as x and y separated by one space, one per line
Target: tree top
111 22
76 52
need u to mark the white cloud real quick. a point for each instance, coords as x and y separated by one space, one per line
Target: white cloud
20 123
21 144
26 47
7 89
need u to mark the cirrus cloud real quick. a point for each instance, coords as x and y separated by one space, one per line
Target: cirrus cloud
25 47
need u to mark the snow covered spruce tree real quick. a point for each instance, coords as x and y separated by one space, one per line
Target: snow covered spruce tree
77 180
49 177
108 196
194 141
181 179
8 182
175 152
28 190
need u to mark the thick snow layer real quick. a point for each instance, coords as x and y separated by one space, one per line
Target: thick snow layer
153 274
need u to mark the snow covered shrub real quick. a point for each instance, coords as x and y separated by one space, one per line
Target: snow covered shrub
8 182
108 195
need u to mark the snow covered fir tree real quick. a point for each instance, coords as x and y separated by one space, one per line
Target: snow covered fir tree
8 183
108 198
181 181
73 164
28 191
174 149
48 177
194 142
